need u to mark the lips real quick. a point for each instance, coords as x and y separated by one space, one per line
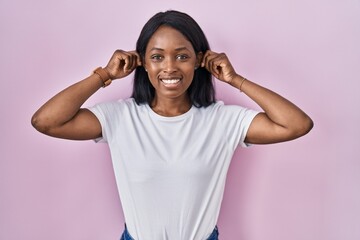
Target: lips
170 81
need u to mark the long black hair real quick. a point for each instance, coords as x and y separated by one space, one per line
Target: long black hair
201 91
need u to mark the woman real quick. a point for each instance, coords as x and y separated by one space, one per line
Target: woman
171 143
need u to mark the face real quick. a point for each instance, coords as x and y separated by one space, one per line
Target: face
170 61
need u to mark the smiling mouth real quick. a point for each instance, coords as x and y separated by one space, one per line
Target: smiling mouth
170 82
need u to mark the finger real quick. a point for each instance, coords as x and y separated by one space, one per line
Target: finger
138 61
116 58
133 59
128 62
121 57
211 63
131 62
216 70
205 58
219 64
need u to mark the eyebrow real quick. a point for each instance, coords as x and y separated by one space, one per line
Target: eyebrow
176 49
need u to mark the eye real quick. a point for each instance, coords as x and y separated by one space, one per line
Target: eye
182 57
156 57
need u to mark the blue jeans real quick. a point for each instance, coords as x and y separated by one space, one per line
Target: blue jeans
213 236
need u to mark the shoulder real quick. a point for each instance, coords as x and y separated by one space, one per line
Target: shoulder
117 107
221 107
117 104
222 111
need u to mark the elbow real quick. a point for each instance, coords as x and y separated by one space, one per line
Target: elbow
310 124
304 127
307 125
39 123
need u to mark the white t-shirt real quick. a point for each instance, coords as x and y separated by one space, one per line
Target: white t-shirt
171 171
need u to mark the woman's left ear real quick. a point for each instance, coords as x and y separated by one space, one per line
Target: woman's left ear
199 58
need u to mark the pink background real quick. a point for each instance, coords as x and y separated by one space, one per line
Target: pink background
307 50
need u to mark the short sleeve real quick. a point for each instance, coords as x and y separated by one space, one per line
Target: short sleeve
106 113
236 120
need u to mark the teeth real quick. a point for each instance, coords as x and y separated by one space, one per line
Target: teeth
170 81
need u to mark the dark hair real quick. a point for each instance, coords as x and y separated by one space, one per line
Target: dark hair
201 91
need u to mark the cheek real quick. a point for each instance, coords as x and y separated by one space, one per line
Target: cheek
152 74
153 69
189 68
189 72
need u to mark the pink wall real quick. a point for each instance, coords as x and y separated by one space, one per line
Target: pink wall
307 50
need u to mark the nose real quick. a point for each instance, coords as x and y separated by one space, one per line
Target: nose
169 65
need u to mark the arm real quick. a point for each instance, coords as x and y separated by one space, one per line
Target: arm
281 119
63 117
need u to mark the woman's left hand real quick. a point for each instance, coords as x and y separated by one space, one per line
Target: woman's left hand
219 65
281 119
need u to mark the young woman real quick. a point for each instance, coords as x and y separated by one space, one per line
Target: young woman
171 143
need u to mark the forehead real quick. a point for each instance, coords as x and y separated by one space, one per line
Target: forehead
168 38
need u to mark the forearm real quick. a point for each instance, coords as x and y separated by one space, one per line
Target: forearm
63 106
281 120
278 109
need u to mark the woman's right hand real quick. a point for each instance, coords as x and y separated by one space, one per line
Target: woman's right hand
63 117
122 63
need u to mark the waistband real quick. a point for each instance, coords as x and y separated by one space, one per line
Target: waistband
213 236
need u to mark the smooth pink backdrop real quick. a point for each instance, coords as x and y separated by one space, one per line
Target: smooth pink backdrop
306 50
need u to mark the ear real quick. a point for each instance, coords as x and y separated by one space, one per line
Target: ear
199 58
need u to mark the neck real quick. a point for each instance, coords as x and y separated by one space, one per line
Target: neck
170 107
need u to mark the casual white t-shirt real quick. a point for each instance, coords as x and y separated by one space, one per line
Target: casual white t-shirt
171 171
